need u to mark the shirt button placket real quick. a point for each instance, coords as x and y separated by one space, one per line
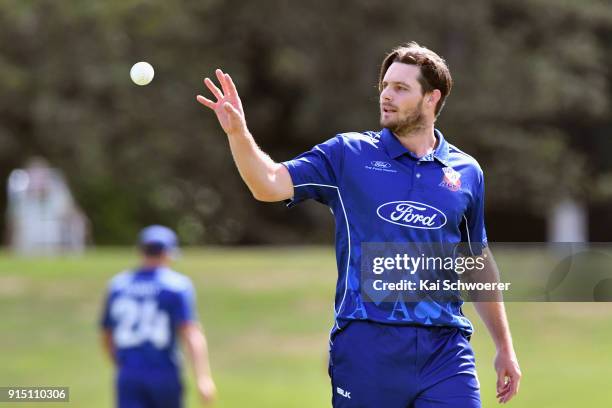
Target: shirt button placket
417 175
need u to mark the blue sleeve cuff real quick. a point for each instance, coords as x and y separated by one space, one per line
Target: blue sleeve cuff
299 194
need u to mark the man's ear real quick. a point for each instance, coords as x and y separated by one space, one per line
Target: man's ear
434 97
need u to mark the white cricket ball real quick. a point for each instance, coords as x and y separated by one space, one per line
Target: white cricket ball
142 73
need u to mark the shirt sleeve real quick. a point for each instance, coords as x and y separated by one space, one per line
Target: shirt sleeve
315 173
186 307
473 229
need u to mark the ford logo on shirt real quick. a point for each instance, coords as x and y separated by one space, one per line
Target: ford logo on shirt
381 164
412 214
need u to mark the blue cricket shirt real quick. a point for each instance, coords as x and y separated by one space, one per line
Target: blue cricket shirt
379 191
144 310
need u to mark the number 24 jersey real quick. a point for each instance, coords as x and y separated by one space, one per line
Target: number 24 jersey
144 310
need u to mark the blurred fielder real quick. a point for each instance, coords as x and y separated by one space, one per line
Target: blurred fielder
146 310
406 355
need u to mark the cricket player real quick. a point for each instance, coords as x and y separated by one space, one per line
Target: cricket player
146 311
404 183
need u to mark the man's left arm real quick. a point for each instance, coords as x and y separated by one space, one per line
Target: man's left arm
108 344
106 330
493 314
490 305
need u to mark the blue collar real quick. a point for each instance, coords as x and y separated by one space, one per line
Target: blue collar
396 149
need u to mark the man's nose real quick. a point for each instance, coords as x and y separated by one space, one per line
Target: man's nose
385 96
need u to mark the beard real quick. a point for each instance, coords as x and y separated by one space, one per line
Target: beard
407 122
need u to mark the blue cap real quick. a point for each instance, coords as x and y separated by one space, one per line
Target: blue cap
159 235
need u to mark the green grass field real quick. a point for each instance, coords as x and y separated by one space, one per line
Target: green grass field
266 312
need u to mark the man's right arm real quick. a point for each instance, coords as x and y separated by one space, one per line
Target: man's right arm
197 348
267 180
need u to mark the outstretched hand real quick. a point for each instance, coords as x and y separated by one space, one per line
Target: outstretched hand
227 107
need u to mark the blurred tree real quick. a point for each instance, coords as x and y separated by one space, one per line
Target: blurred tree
531 100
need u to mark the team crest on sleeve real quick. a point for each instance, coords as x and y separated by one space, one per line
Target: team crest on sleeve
451 179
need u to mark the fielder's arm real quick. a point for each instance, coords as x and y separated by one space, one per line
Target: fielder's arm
267 180
197 349
108 346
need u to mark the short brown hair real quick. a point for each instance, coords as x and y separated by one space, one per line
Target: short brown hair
434 71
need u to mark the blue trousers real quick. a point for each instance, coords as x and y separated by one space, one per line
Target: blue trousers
376 365
146 389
